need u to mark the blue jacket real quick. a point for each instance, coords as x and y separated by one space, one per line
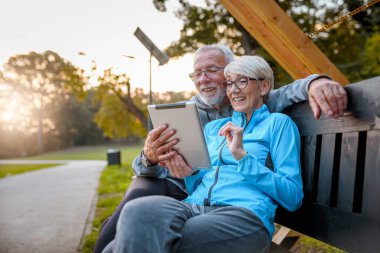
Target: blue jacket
248 183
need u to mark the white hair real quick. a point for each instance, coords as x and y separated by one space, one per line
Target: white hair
226 51
251 66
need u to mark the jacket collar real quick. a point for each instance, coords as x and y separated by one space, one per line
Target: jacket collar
239 118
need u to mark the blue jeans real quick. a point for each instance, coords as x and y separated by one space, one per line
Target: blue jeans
140 187
162 224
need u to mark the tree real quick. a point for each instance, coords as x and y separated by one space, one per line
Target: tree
342 44
73 122
369 20
205 26
371 57
123 112
54 96
46 74
42 81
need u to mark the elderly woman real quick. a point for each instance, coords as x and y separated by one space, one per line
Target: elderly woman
230 207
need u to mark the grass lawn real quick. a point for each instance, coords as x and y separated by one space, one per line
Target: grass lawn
309 245
88 153
113 183
13 169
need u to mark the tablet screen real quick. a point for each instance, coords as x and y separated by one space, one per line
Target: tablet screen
183 117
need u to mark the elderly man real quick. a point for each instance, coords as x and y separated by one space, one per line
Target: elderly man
153 178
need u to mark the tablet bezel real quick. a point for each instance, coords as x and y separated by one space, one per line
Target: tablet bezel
184 118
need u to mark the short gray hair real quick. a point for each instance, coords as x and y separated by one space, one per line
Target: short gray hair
251 66
226 51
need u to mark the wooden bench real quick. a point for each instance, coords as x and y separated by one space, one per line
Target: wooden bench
341 173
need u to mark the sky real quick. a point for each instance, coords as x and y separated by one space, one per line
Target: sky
103 30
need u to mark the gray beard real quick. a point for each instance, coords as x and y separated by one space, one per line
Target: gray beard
211 101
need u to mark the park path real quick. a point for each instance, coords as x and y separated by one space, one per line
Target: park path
48 210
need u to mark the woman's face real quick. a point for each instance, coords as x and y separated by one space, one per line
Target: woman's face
246 99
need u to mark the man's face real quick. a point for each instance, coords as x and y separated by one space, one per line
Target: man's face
207 83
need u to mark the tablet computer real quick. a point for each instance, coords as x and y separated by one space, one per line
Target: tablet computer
183 117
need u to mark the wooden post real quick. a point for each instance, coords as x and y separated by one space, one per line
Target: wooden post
282 38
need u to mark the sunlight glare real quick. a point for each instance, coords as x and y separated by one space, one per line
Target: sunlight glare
13 111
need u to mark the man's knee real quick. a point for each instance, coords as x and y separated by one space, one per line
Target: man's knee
145 208
145 186
154 210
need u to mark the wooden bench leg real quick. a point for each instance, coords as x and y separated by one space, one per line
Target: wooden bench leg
278 239
281 235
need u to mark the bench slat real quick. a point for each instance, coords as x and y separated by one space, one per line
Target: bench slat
371 192
308 161
346 184
326 169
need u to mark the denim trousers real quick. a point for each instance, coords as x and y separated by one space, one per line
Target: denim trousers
159 224
140 187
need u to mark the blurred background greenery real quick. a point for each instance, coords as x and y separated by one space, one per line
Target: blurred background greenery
48 104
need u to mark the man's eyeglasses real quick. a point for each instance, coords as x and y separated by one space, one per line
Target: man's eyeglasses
211 71
240 83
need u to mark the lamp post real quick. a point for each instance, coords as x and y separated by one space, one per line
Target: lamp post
161 57
150 87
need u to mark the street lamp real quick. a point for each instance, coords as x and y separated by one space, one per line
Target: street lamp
161 57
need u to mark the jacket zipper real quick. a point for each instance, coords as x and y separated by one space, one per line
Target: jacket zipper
207 201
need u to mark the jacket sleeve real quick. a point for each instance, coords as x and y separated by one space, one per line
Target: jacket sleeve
142 171
284 184
290 94
193 181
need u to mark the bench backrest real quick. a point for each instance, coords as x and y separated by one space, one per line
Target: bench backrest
341 172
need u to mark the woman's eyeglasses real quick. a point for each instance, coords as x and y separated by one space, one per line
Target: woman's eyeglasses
240 83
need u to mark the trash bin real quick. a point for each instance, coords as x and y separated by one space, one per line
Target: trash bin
113 157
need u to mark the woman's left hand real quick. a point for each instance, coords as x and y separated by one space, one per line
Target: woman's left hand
234 137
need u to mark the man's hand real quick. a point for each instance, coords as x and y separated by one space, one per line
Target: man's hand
327 96
178 167
156 146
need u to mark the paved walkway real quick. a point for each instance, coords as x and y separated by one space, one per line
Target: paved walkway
48 210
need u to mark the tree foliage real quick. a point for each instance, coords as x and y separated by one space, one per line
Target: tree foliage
121 112
46 74
39 97
343 44
43 92
206 26
371 57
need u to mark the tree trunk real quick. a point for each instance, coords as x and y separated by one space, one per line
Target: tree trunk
249 44
132 108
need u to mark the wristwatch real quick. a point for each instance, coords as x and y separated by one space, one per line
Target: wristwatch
145 161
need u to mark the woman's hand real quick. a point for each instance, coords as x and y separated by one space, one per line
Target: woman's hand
178 167
234 137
